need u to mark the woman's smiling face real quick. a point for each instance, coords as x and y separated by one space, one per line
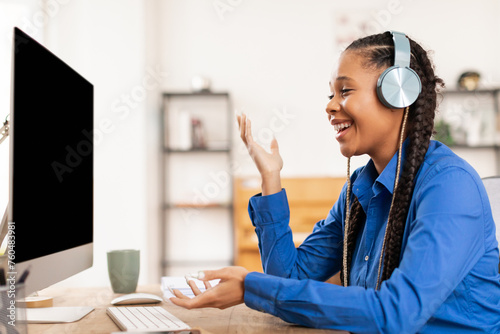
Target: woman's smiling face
362 123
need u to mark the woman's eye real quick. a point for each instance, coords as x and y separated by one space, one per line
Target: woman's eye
342 93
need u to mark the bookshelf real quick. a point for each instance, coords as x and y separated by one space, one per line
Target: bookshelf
196 182
472 122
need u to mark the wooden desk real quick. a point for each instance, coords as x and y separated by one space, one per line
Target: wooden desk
238 319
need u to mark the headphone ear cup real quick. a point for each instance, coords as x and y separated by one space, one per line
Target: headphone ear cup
398 87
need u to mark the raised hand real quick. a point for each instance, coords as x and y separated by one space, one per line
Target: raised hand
268 164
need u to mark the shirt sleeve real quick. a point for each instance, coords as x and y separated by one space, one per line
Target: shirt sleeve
318 257
446 240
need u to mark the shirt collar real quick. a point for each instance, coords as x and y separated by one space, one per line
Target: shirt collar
389 172
368 178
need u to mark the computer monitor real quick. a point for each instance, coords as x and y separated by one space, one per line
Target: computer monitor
51 165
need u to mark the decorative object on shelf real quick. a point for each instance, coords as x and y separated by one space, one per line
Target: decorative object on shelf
198 133
469 80
200 84
473 120
471 116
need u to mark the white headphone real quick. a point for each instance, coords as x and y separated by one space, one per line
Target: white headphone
399 85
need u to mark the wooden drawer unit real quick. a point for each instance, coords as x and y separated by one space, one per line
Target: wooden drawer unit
310 200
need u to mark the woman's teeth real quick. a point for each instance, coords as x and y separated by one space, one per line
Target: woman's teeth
341 126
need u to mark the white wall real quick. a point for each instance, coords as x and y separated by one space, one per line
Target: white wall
274 57
109 43
106 43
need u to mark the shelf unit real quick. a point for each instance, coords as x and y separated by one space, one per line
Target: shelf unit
478 110
196 182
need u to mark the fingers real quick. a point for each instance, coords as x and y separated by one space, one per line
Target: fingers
248 132
186 303
179 294
222 274
229 291
192 285
245 126
209 275
242 123
274 146
200 300
245 129
238 119
219 297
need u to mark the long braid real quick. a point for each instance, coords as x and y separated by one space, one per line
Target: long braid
357 219
345 272
421 121
379 52
351 228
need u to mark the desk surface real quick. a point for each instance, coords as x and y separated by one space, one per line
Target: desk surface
238 319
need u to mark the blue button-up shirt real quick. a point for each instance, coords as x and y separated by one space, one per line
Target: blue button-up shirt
447 280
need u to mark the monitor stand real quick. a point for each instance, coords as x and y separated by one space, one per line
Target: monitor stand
43 315
51 315
35 301
38 310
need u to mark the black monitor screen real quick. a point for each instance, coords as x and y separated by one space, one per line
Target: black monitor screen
52 153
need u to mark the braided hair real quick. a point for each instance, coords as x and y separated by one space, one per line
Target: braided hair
378 51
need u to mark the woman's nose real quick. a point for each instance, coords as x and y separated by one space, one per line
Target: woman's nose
332 106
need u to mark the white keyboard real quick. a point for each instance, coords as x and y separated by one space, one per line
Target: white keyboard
145 318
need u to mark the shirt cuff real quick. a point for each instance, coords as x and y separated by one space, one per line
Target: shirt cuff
268 209
260 291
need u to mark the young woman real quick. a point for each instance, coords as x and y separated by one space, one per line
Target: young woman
411 233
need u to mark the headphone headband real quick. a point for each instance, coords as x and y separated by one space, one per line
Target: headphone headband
402 51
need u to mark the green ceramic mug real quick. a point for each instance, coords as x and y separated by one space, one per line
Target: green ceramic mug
123 270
